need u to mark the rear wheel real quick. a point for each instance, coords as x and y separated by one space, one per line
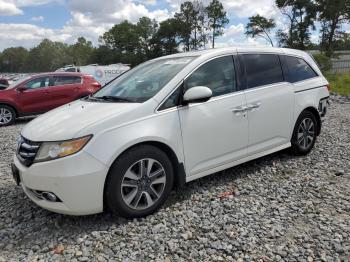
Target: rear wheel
7 115
305 133
139 182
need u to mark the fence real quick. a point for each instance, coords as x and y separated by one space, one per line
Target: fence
341 64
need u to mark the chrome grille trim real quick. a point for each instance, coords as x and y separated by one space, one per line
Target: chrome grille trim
27 150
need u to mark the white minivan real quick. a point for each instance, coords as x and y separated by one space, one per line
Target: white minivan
169 121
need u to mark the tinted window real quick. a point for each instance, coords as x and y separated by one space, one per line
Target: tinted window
172 100
218 75
262 69
38 83
299 70
66 80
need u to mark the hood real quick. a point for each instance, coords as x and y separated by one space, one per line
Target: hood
67 121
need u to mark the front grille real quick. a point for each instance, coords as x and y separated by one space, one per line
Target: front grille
26 151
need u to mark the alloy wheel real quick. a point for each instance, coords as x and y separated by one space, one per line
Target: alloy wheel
143 184
306 133
5 116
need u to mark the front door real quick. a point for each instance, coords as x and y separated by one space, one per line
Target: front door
214 133
36 97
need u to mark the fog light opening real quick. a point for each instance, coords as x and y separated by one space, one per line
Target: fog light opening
50 196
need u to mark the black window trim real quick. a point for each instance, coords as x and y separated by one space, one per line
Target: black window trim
245 85
238 76
302 58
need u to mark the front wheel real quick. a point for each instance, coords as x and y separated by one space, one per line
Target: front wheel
304 134
7 115
139 182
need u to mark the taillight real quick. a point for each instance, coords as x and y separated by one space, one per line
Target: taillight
329 87
96 85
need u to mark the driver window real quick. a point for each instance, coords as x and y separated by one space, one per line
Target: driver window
38 83
217 74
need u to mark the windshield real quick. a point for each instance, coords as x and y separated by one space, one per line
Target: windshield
144 81
18 81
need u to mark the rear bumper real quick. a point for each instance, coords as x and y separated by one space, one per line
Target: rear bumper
78 181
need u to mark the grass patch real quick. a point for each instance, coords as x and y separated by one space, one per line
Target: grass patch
340 83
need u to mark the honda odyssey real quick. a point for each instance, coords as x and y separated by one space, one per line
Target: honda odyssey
169 121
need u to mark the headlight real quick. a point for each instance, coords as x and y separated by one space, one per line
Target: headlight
53 150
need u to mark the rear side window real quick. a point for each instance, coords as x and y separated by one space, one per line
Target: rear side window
217 74
66 80
262 69
299 70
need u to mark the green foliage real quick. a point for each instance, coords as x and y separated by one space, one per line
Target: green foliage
301 15
81 52
342 42
13 59
217 19
48 56
332 14
185 19
261 27
323 61
340 83
166 39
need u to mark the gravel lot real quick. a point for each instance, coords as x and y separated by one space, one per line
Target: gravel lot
279 207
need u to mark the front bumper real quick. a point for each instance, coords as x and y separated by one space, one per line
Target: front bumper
77 180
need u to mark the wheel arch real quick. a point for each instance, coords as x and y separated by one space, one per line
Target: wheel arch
12 106
179 169
314 111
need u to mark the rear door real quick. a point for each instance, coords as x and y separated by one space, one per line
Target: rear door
35 98
215 133
64 89
270 102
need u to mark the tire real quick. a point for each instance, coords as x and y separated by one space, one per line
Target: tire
133 193
7 115
304 134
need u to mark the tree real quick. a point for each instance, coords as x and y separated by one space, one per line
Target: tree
167 37
260 26
122 37
201 31
217 17
301 15
13 59
146 30
48 56
81 51
332 14
186 23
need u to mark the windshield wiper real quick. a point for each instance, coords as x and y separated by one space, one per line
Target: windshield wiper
114 98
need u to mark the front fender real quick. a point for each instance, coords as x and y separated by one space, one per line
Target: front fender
162 128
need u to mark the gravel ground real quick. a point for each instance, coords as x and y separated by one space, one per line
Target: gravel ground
277 208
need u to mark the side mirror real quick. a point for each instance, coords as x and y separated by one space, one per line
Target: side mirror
197 94
21 88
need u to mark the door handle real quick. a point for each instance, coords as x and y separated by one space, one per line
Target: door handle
239 109
254 106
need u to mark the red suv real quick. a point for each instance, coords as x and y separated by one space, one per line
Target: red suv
42 92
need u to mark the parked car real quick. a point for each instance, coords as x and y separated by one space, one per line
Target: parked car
4 83
40 93
167 122
102 73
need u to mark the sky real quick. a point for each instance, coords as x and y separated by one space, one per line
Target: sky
27 22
